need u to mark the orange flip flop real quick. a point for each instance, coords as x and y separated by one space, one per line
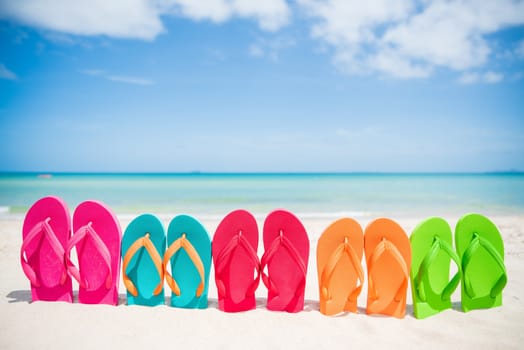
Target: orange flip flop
340 274
388 257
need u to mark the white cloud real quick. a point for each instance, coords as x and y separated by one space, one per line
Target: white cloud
270 14
410 38
255 50
270 48
93 72
5 73
216 54
493 77
139 19
469 78
391 62
520 49
60 38
130 80
117 18
488 77
118 78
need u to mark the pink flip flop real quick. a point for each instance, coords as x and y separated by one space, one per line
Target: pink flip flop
286 257
97 240
234 251
45 234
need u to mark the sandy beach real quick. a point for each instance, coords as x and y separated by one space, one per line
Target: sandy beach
45 325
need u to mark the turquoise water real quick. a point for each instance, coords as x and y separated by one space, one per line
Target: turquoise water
314 195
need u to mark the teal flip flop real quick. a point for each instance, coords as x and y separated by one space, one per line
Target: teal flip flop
481 249
143 246
431 254
189 252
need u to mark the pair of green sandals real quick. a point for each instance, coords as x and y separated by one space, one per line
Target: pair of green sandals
478 254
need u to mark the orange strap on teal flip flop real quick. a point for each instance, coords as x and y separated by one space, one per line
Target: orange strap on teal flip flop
178 244
143 242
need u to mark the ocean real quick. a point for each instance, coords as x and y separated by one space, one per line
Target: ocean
307 195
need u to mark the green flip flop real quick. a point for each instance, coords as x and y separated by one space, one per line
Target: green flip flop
481 249
432 252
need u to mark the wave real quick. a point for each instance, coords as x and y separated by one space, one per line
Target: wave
259 216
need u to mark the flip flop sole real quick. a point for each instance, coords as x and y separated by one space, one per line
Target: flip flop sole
41 257
183 268
284 271
237 277
345 277
482 271
437 276
387 274
141 270
91 265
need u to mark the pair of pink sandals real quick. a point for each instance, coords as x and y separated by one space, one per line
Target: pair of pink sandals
238 269
46 249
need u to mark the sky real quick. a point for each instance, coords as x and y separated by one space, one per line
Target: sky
261 86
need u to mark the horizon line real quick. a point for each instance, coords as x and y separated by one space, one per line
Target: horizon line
51 173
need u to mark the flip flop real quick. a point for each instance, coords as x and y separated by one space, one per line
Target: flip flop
388 257
143 247
432 252
286 257
45 233
340 274
481 250
96 238
235 258
189 251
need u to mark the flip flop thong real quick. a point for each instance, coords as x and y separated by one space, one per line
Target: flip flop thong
97 241
481 250
45 233
189 252
286 257
143 247
432 252
234 248
340 274
388 257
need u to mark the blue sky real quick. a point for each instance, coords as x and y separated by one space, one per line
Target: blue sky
306 85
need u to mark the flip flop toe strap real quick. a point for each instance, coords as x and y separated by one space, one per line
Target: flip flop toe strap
178 244
44 228
281 241
437 246
223 260
342 249
379 302
82 233
146 243
476 243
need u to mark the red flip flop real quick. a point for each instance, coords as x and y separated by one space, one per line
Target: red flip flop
235 258
46 231
286 256
97 240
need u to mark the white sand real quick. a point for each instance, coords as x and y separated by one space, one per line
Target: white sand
45 325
